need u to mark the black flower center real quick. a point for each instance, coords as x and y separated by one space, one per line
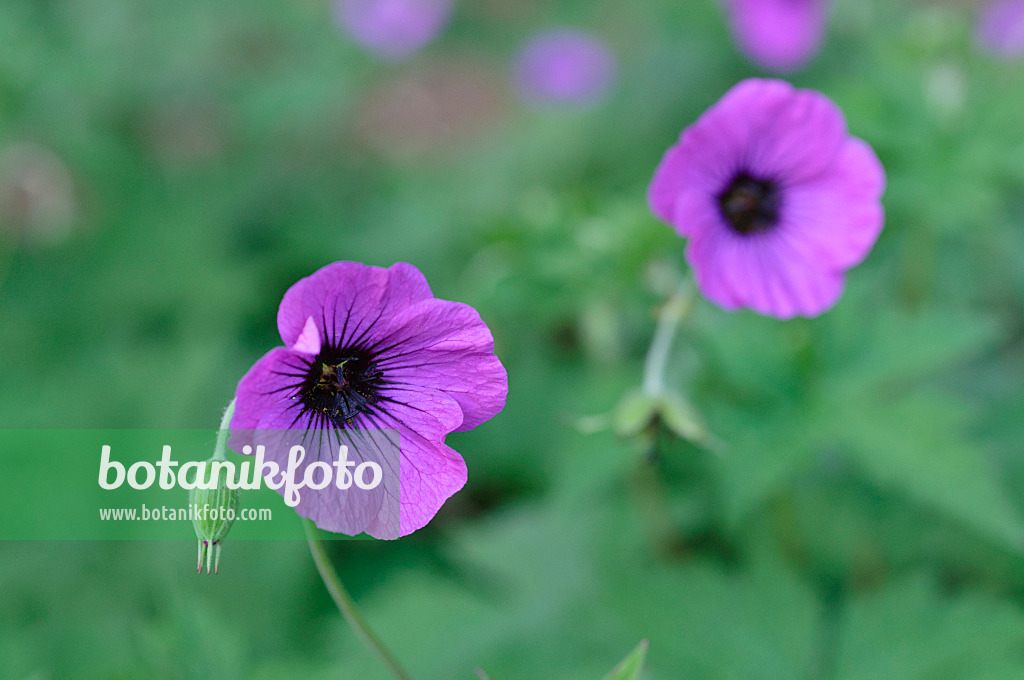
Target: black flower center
750 205
340 384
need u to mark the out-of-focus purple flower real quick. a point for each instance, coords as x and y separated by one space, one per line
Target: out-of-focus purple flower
393 29
779 35
1000 28
371 349
776 200
564 66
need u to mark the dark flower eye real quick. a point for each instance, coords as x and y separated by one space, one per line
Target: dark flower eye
750 205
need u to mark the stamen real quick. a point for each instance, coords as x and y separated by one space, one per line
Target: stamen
750 205
341 384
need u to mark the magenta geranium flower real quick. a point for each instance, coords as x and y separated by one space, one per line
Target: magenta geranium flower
393 29
1000 28
368 348
564 67
776 200
779 35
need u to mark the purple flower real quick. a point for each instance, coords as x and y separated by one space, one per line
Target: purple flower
1000 28
564 67
371 348
393 29
779 35
775 198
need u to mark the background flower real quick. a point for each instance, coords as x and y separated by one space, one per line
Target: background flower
393 29
1000 28
777 201
371 348
564 66
779 35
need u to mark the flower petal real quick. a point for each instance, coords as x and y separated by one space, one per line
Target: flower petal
423 489
762 273
346 298
802 141
430 471
711 257
263 399
475 379
433 324
722 140
309 341
350 510
668 183
836 219
802 288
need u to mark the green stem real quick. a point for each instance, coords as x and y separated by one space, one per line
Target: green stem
672 313
829 629
345 603
6 260
221 448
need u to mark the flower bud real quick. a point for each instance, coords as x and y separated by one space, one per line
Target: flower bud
214 511
635 413
638 411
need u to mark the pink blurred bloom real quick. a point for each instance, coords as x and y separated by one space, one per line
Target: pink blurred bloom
776 200
778 35
393 29
564 67
1000 28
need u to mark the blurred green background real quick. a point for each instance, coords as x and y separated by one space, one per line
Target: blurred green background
168 169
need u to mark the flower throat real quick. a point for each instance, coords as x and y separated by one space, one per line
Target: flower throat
340 385
750 205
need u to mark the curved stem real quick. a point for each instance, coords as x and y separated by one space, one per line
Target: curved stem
829 629
345 603
671 314
6 260
221 447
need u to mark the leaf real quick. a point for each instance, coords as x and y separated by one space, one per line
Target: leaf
912 630
756 622
762 454
893 346
630 667
524 578
917 445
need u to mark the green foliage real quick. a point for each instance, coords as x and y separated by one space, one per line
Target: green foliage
630 667
912 629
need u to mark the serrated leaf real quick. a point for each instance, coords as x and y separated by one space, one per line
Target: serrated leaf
754 623
917 445
913 630
630 667
762 454
899 345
